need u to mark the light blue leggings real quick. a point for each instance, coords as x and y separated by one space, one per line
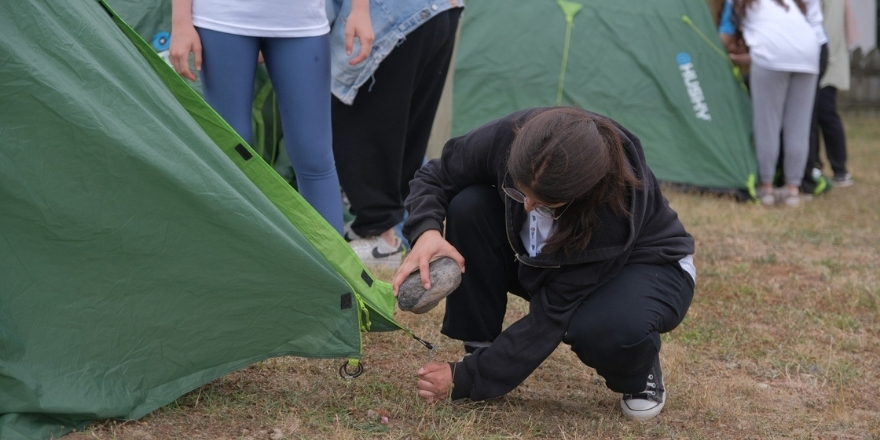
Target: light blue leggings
299 69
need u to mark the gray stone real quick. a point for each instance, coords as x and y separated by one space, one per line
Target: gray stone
445 278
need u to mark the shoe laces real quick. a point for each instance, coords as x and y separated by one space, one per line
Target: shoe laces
650 392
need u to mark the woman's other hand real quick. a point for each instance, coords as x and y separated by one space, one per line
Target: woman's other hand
435 381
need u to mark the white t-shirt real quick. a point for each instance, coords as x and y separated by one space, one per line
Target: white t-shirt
262 18
781 40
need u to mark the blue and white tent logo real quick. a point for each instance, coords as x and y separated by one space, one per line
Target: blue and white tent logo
692 84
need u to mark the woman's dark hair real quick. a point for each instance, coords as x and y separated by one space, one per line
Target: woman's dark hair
565 155
740 7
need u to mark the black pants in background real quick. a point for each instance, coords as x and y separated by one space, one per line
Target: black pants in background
813 160
616 330
379 141
832 131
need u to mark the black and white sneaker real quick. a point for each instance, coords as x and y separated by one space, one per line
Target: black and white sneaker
647 404
375 251
842 180
347 233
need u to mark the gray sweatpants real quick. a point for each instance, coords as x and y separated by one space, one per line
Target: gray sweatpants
782 102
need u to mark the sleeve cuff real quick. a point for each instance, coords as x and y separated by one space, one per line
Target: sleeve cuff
462 382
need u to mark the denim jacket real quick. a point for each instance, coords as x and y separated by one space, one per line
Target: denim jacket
392 21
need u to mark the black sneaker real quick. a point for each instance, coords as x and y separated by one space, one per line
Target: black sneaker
647 404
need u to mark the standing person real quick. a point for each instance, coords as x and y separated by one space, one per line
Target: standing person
813 182
784 52
840 27
383 111
733 41
557 206
226 37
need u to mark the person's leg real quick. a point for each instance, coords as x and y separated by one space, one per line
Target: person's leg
229 64
799 98
813 158
616 330
300 72
371 135
768 89
437 37
475 225
832 130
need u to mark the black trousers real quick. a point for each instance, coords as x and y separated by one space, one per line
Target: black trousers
813 160
832 131
379 141
616 330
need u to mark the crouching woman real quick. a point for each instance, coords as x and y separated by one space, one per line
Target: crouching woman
556 206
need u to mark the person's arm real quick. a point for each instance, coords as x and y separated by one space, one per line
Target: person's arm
358 25
522 347
742 59
849 24
496 370
815 19
184 39
479 157
466 160
726 28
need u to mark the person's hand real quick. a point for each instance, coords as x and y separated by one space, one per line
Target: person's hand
185 40
740 59
428 246
435 381
359 26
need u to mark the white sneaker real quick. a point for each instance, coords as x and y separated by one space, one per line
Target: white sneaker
767 198
375 251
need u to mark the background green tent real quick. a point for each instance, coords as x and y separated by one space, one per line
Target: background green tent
654 66
144 248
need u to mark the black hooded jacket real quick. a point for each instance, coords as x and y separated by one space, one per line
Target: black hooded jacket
557 282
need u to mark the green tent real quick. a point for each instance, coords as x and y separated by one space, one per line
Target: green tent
654 66
144 248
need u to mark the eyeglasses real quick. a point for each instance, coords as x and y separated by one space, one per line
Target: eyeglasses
542 210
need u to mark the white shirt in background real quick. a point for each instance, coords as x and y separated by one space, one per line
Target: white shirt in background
783 40
262 18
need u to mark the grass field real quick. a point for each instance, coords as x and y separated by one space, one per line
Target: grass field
782 341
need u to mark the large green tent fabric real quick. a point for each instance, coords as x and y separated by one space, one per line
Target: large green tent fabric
144 248
654 66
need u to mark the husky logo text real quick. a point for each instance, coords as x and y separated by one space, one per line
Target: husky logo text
701 110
